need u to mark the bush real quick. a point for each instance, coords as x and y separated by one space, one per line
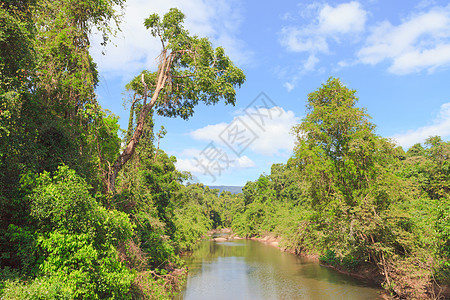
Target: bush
63 201
191 224
443 229
329 258
76 242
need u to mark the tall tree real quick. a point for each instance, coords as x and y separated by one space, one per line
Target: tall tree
17 33
66 77
47 81
190 71
67 73
337 146
350 173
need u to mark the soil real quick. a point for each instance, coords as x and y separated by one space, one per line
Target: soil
366 272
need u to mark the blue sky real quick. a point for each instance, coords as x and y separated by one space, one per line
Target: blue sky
396 54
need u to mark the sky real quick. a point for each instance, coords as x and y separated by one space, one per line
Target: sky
395 54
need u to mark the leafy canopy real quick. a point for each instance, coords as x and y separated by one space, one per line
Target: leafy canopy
195 70
337 148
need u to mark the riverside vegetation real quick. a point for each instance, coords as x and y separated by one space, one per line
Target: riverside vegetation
356 200
83 217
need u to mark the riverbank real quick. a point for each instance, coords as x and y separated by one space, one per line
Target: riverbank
227 266
368 273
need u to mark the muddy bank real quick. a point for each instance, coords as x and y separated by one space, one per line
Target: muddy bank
268 240
368 273
412 289
222 235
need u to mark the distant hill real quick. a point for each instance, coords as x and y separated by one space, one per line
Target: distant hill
230 188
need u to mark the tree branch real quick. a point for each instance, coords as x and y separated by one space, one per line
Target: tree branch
145 89
131 146
192 74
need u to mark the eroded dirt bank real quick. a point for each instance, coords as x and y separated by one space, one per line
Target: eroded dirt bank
366 272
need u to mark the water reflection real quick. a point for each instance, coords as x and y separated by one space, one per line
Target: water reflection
251 270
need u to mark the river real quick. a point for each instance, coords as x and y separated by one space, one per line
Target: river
246 269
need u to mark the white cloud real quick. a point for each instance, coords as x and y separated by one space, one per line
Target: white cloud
189 152
200 163
344 21
188 164
418 60
420 42
344 64
135 49
344 18
210 132
269 130
303 40
289 86
306 66
440 126
245 162
310 63
330 23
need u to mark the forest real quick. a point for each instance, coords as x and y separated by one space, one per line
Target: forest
92 211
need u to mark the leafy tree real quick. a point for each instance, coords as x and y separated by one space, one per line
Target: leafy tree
190 70
66 77
287 184
430 167
47 100
17 60
149 191
443 241
416 150
75 248
350 172
356 199
63 237
337 149
66 72
192 217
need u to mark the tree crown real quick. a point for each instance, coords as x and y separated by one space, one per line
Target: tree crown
196 71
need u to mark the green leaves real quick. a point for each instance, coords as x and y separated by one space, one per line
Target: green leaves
152 23
429 167
196 71
52 226
74 250
188 72
358 201
63 201
86 272
191 224
169 27
337 146
443 229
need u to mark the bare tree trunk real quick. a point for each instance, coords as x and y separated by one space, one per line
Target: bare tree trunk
129 150
156 152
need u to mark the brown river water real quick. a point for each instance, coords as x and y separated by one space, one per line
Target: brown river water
246 269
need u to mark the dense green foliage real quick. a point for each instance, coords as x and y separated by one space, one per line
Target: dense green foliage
74 250
190 71
196 71
355 199
62 235
347 194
